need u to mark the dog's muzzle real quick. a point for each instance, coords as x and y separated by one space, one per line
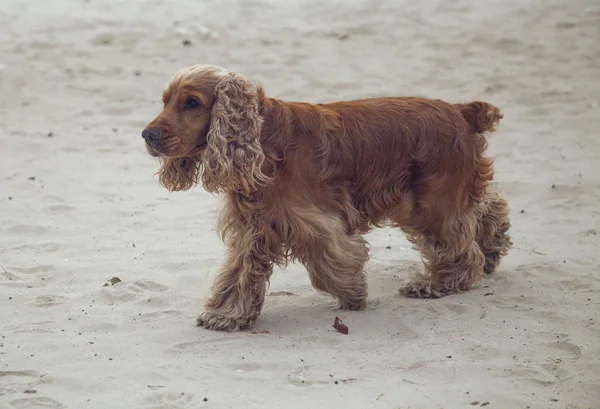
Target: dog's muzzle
151 135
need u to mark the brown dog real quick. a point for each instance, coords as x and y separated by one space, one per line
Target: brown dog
305 182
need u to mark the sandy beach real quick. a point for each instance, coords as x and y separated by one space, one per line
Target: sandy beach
79 204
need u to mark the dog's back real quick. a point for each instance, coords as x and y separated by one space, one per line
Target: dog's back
411 149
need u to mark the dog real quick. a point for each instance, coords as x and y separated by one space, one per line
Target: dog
304 182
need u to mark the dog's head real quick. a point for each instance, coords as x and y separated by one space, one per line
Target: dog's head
209 128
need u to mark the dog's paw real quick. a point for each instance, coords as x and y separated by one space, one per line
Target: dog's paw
492 260
352 305
421 289
214 321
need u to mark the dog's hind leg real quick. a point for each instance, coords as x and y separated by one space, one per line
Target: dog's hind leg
493 224
449 212
453 261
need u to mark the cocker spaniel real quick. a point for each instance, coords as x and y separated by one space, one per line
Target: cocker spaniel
304 182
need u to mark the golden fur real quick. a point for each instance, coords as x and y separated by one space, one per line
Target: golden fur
304 182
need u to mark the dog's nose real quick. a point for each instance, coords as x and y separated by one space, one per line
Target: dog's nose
151 134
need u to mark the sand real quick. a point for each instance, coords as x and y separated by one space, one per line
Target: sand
79 204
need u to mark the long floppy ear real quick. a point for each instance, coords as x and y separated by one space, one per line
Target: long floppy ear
179 173
234 158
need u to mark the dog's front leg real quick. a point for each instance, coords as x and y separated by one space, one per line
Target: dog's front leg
238 292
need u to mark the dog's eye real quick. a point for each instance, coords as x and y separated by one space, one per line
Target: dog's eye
191 103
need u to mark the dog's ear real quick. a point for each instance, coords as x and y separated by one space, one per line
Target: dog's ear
234 158
178 173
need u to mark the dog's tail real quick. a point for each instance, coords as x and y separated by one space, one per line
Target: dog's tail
481 116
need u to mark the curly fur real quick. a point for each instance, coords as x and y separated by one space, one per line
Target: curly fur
304 182
179 174
234 157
